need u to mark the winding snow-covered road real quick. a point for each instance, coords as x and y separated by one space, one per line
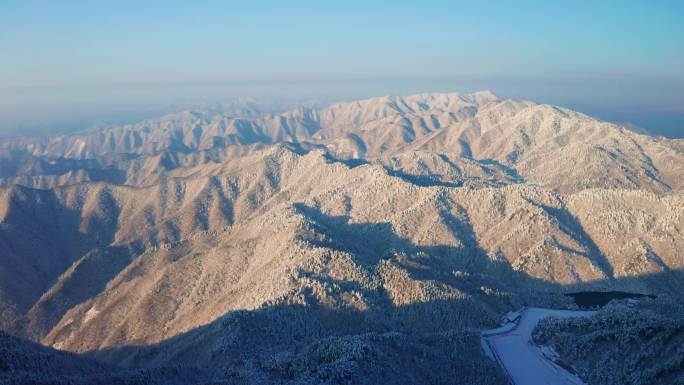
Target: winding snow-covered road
511 346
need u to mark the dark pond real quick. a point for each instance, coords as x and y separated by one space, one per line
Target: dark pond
601 298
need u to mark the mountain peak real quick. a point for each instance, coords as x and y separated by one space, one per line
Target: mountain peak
485 95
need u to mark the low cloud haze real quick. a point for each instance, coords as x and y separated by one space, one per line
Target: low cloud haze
652 105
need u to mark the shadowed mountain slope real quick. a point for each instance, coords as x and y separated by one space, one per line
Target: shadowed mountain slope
190 249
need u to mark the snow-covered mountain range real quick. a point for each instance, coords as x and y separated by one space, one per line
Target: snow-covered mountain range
293 246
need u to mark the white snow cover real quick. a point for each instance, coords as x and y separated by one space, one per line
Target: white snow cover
523 361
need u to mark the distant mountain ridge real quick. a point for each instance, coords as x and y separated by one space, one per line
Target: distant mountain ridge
551 146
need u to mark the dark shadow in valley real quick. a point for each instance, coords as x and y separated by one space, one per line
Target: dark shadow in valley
66 262
353 162
349 162
430 180
361 331
509 171
316 343
591 299
86 278
39 239
371 242
572 226
321 339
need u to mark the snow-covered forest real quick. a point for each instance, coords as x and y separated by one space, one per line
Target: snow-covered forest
627 342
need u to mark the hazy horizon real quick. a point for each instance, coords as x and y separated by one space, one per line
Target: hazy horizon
71 65
59 109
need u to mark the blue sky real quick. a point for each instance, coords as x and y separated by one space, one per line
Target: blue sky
617 60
